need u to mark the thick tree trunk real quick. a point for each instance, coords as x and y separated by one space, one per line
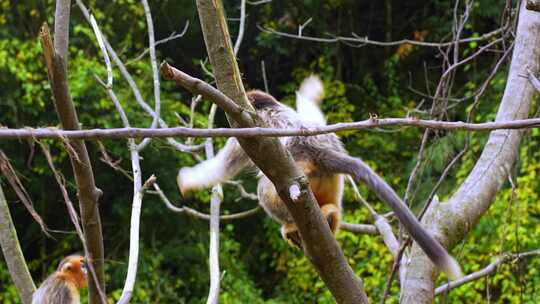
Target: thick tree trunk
451 221
277 164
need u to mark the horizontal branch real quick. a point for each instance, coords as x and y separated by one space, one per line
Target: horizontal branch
7 133
366 40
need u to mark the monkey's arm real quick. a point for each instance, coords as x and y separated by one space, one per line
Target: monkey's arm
228 162
342 163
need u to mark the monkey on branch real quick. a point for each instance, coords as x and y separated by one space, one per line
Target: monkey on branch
323 160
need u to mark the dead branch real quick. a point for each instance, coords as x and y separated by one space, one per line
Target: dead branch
9 172
489 269
365 40
88 193
73 216
319 244
250 132
134 88
452 220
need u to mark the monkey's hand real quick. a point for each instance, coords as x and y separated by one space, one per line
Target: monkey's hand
183 179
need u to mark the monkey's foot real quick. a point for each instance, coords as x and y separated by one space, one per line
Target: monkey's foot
332 215
290 233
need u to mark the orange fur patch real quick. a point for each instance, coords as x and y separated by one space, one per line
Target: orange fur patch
325 189
72 272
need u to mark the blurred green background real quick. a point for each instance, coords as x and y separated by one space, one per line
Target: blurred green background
257 265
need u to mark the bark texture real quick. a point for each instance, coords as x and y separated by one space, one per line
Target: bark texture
277 164
87 192
13 254
451 221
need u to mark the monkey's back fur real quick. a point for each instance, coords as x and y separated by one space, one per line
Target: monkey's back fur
323 160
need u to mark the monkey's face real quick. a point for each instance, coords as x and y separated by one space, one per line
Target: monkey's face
74 268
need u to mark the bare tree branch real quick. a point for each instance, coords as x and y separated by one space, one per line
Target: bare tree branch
173 36
199 215
251 132
215 202
13 254
241 27
88 193
73 216
380 222
358 228
138 188
489 269
9 172
365 40
452 220
155 74
320 245
197 86
133 86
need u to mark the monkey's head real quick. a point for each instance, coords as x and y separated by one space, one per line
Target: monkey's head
73 268
261 100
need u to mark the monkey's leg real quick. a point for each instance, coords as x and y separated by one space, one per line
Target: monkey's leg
328 191
276 209
342 163
228 162
289 232
333 215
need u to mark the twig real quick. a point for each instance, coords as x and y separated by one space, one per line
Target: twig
381 223
259 2
366 40
241 27
533 80
138 190
155 74
9 172
303 25
489 269
138 96
172 36
242 190
265 81
395 266
359 228
199 215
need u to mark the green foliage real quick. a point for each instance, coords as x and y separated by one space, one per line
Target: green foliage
258 266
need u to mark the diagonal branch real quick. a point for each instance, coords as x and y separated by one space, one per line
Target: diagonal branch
451 221
11 248
320 246
88 193
489 269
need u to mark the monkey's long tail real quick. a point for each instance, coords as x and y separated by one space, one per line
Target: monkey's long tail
342 163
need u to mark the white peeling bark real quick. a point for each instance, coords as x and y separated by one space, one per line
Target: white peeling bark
451 221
